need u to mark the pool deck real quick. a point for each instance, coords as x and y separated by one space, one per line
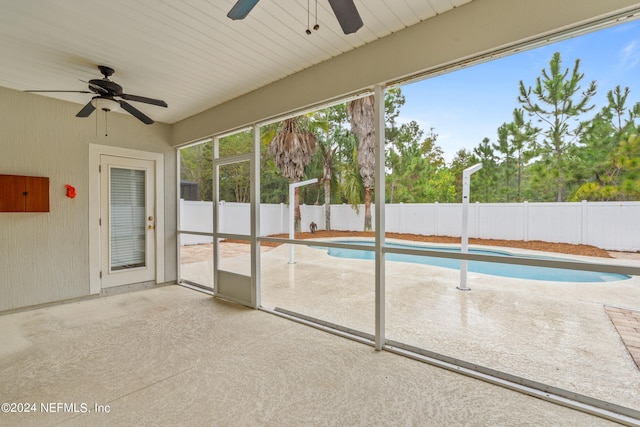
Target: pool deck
580 337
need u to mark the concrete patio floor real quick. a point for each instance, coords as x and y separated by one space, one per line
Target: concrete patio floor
172 356
556 333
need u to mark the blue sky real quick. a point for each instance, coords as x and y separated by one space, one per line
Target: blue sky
468 105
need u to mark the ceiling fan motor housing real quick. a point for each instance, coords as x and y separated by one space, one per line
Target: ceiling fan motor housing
110 88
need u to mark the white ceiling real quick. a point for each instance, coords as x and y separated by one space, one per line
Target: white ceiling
185 52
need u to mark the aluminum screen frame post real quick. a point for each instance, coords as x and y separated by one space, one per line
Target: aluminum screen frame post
380 220
292 189
464 247
255 220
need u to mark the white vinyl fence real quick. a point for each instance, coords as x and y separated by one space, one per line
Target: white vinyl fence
607 225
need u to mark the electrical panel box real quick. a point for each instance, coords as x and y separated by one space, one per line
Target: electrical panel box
24 193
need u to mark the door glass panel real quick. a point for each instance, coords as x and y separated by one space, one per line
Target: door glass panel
127 218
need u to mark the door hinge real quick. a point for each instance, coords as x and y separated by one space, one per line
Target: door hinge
100 222
101 274
99 168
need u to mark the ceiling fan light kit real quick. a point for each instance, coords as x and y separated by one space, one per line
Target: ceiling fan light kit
105 104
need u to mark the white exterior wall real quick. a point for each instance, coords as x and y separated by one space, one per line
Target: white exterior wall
44 257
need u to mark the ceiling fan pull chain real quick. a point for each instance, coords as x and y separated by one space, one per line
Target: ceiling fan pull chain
308 31
106 125
317 26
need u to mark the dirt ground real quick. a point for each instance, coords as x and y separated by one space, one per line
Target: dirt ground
564 248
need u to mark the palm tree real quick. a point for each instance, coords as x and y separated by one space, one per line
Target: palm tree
291 149
321 124
361 113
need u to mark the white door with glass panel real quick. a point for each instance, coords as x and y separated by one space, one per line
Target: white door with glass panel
127 220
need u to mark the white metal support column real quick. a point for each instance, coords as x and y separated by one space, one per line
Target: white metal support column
255 218
292 220
379 211
466 184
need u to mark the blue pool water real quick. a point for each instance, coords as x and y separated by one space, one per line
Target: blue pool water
505 270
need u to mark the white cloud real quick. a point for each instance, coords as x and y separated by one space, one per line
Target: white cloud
629 56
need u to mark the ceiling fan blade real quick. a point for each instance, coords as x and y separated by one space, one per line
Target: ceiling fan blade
68 91
347 14
241 9
146 100
135 112
86 110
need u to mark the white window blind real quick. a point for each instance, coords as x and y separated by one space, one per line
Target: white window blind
127 218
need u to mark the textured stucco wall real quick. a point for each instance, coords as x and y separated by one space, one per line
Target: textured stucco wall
478 27
44 257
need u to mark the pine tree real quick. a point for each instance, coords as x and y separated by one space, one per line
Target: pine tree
552 102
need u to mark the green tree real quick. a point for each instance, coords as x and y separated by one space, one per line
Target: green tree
506 168
462 160
234 180
602 138
523 142
623 180
555 101
487 175
627 159
418 172
195 166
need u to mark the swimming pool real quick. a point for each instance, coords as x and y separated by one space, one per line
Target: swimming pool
546 274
